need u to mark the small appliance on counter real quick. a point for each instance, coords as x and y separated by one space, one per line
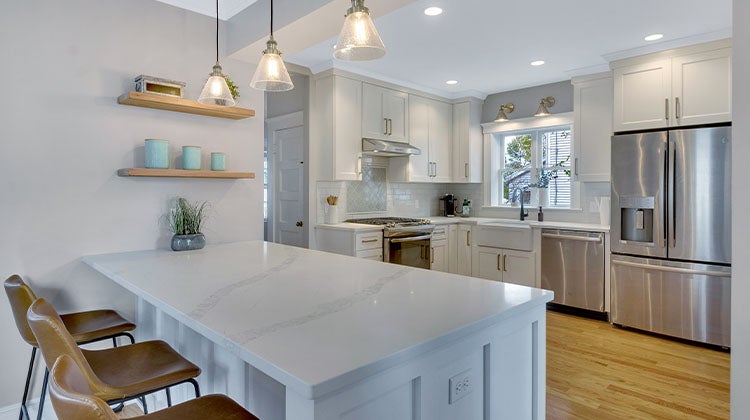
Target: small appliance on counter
448 205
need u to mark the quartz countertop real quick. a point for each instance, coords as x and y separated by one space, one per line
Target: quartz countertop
440 220
312 320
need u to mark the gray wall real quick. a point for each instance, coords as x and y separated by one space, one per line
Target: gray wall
527 100
740 208
64 136
297 99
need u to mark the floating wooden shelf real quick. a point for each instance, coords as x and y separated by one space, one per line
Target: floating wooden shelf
182 173
150 100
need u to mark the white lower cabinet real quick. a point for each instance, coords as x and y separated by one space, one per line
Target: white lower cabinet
366 245
463 250
506 265
440 251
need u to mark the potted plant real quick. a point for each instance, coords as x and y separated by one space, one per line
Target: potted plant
543 178
185 221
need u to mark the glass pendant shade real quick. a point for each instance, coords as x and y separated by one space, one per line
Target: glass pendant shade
216 91
359 39
271 74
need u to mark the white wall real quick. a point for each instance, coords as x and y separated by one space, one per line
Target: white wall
740 209
63 136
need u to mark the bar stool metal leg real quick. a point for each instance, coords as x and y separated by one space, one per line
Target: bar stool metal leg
169 398
44 392
24 411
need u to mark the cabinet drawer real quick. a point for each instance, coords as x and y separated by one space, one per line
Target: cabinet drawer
371 254
373 240
440 233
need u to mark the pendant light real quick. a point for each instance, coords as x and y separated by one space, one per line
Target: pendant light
216 91
359 39
271 74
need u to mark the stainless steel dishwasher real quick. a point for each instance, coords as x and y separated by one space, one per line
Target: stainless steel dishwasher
573 267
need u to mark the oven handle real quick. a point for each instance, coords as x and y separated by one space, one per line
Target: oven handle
410 239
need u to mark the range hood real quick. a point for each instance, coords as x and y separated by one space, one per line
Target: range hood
387 148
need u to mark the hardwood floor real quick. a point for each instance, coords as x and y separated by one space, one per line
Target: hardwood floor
597 371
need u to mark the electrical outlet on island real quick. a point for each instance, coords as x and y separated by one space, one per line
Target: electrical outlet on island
460 385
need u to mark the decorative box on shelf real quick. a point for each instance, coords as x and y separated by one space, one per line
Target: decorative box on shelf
158 86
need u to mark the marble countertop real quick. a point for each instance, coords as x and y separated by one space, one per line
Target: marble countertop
440 220
312 320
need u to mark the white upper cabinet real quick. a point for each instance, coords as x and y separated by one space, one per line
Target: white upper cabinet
592 127
686 86
385 113
642 94
702 87
430 129
338 119
467 142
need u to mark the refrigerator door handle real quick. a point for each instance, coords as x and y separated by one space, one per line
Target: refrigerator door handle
672 211
672 269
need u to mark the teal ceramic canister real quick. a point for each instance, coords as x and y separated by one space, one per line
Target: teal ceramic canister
218 161
191 158
157 154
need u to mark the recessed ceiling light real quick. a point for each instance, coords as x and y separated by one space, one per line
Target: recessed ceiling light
654 37
537 62
451 82
433 11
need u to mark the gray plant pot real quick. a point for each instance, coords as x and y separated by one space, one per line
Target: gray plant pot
188 242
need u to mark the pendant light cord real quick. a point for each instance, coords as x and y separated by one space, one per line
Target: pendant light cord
217 31
271 18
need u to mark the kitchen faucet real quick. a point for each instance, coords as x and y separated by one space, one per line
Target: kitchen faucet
520 191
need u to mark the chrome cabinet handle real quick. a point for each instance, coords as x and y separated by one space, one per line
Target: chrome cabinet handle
410 239
677 107
666 108
596 239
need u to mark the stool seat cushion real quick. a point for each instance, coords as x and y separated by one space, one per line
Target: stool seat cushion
93 325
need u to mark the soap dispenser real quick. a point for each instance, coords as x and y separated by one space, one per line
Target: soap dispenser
540 215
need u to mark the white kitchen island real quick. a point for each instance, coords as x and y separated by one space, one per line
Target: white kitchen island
298 334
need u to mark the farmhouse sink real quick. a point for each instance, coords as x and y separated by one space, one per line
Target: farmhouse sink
507 234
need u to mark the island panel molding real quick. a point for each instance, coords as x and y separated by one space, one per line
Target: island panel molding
183 173
277 327
150 100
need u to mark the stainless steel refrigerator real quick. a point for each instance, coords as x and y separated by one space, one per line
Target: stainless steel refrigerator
671 233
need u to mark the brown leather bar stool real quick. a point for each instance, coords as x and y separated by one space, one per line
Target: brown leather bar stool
85 327
118 374
73 399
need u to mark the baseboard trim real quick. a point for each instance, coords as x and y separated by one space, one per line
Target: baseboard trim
10 412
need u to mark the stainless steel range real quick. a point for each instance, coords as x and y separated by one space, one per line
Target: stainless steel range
405 241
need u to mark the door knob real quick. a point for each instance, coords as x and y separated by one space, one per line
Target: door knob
300 223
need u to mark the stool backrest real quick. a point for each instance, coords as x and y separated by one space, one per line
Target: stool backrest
54 340
21 297
71 395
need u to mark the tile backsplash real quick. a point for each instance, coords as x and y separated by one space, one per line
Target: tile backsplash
370 194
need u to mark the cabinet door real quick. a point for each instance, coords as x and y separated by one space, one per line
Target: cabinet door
519 267
488 263
439 256
441 145
467 142
453 249
347 146
385 113
702 87
592 109
642 93
396 110
419 133
463 250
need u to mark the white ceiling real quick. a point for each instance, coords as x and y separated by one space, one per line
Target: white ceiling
487 45
227 8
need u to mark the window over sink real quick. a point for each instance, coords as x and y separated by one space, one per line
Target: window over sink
531 161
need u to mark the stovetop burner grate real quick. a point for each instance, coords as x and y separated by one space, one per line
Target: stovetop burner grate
402 221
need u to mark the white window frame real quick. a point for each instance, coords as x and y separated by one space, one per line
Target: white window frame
494 134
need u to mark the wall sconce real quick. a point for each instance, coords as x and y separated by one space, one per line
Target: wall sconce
546 102
501 117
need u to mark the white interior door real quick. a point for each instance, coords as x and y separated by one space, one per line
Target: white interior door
289 224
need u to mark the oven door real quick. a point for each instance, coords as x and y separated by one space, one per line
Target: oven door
413 251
